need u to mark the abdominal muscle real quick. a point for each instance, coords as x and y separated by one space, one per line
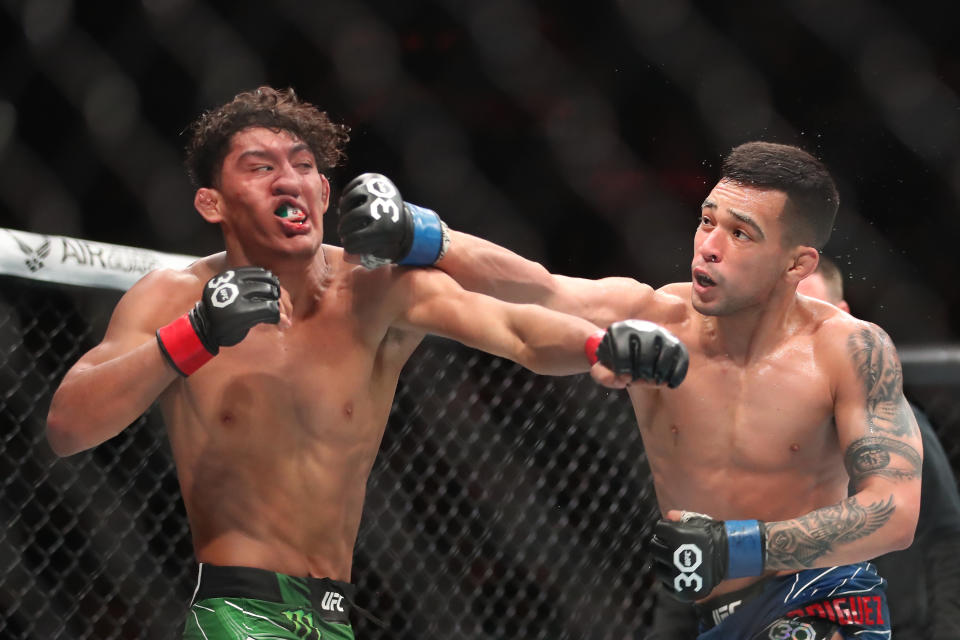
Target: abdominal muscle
739 465
731 493
273 468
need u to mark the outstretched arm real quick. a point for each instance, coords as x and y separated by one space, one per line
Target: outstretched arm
480 265
540 339
378 227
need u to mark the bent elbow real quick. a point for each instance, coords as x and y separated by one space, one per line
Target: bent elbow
904 539
532 364
908 525
546 364
60 437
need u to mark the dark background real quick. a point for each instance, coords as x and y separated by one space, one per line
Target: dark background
503 505
584 135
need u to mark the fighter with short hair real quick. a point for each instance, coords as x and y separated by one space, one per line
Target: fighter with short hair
786 399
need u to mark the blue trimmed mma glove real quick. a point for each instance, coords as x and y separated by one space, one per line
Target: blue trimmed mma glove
644 350
694 555
376 224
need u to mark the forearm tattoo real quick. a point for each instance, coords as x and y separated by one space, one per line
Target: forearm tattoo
798 543
881 456
878 366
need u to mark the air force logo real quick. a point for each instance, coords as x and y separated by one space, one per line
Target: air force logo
34 256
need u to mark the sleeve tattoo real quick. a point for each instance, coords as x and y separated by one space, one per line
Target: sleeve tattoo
881 456
878 367
801 541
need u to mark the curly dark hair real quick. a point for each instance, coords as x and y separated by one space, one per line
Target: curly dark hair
282 110
812 198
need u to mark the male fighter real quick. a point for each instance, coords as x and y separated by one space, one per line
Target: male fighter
923 589
275 365
786 398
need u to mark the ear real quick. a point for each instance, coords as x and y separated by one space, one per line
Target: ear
208 203
326 191
843 305
805 261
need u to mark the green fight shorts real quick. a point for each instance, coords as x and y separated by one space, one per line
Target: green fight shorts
241 603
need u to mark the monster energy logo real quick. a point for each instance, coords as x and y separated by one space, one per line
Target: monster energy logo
303 624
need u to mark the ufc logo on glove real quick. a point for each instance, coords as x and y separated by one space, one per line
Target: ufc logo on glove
686 559
383 190
693 555
224 292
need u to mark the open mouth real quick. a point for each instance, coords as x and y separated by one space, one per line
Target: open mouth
704 280
291 213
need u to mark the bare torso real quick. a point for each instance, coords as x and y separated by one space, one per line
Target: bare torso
275 437
743 440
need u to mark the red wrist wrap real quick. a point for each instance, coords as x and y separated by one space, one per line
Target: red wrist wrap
182 347
590 347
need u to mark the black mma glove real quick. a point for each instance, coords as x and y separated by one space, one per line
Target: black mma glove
231 303
376 224
694 555
642 349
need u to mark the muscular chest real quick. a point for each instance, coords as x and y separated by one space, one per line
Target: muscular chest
766 416
322 379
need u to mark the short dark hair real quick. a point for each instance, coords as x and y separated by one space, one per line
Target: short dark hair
832 278
282 110
812 198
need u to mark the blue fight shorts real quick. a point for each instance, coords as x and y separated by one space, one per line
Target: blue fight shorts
807 605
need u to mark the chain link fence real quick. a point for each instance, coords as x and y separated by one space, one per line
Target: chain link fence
502 504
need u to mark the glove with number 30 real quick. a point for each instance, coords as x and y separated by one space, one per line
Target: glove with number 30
232 302
376 224
694 555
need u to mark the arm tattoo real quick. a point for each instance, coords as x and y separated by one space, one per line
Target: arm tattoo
881 456
878 367
800 542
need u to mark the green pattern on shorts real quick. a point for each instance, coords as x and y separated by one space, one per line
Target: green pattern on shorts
243 618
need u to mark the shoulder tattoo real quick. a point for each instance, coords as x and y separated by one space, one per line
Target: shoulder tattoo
878 368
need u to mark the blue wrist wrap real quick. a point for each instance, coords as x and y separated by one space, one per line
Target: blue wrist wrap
427 236
745 548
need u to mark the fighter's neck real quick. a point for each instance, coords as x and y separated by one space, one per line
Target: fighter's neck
304 278
752 333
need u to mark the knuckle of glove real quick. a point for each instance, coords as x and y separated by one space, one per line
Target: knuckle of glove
354 220
353 184
611 355
234 301
643 358
681 363
655 354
